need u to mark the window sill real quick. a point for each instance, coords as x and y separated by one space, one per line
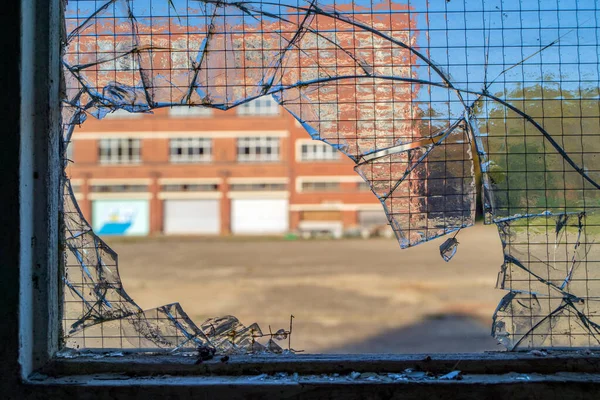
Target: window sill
490 375
305 364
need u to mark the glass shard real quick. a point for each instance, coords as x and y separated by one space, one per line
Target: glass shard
166 327
550 270
448 248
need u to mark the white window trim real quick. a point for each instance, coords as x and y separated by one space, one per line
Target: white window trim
120 196
189 181
336 207
253 143
251 179
334 154
214 195
119 181
264 106
330 187
190 145
123 114
190 112
259 194
325 178
77 181
114 144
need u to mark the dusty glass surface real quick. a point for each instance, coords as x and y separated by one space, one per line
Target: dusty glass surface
420 95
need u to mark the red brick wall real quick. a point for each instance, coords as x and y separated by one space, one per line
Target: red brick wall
155 161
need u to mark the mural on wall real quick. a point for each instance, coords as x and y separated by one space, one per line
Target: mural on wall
121 217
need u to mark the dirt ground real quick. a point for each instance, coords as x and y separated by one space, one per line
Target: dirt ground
347 296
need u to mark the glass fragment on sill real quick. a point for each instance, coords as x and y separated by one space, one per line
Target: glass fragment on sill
408 93
229 336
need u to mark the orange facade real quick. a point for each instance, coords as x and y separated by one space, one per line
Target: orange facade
341 203
357 114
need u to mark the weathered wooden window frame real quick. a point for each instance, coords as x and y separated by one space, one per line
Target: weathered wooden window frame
39 277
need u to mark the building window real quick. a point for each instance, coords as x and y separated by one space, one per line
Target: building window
190 150
119 188
320 186
120 151
252 149
261 106
318 151
190 112
208 187
257 187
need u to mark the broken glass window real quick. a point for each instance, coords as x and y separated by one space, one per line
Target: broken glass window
420 95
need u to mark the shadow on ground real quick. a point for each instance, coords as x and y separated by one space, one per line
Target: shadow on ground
450 333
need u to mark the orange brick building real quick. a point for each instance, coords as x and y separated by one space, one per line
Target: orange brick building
252 169
249 170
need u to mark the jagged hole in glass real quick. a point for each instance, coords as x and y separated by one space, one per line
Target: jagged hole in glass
420 95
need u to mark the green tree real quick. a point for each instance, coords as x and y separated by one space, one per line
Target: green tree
527 173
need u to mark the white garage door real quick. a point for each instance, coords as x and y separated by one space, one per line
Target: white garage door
259 216
192 217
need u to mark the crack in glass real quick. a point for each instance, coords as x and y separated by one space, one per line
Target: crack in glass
422 96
